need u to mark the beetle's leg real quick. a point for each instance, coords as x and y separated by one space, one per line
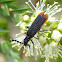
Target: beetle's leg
28 45
32 42
44 30
28 27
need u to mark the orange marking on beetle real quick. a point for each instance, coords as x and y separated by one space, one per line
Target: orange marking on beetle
41 14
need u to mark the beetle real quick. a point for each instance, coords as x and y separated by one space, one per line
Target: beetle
34 28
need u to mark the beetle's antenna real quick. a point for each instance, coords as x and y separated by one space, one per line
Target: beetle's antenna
16 41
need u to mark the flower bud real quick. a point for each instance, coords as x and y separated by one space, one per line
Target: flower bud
56 35
60 26
26 17
53 44
42 39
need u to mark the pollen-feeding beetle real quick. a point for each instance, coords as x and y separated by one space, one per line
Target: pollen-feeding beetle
35 27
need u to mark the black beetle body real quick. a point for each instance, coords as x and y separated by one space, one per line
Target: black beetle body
36 25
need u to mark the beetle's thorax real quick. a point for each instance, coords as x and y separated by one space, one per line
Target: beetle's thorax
27 38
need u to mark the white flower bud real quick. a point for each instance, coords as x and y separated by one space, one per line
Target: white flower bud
26 2
56 35
32 18
42 40
60 26
53 44
26 17
22 26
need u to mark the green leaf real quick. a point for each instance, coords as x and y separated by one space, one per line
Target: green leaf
15 9
5 49
15 56
6 1
5 10
48 23
54 24
61 41
11 59
17 18
19 10
11 6
3 22
41 60
1 11
49 35
4 31
59 59
0 46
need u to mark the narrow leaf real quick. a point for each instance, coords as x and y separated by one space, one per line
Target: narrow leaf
6 1
5 10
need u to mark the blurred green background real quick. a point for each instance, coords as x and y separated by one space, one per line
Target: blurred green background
8 30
